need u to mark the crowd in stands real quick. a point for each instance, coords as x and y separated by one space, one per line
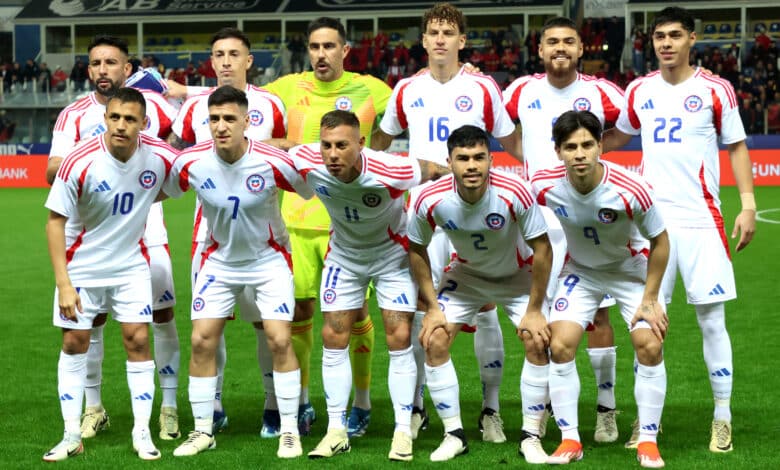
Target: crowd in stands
499 53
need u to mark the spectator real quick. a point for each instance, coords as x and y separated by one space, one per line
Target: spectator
78 75
297 50
394 73
476 58
401 53
749 116
492 60
59 79
7 127
30 71
207 72
373 70
773 115
638 50
417 52
412 67
532 42
509 60
44 77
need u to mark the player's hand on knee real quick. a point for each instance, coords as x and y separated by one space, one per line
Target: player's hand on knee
432 320
69 301
653 313
534 327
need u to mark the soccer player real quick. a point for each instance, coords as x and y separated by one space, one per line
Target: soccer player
363 192
237 181
535 102
608 215
106 187
108 68
493 224
681 113
231 58
430 105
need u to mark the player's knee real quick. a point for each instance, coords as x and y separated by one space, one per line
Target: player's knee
136 342
75 342
649 351
439 343
279 344
560 351
163 315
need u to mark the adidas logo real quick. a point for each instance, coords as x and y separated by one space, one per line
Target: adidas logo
561 211
721 373
717 290
208 184
443 406
406 407
103 186
493 365
282 309
65 397
650 427
535 105
363 349
304 101
144 397
648 105
606 386
146 311
418 103
98 130
401 299
450 225
167 370
166 296
539 407
322 191
561 422
218 396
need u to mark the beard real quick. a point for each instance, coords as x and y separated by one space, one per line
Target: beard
108 92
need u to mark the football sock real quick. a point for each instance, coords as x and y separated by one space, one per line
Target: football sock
603 362
419 359
71 373
564 392
337 382
650 393
445 393
717 356
94 369
401 375
166 357
288 391
140 380
221 359
266 361
489 350
202 391
303 342
534 392
361 349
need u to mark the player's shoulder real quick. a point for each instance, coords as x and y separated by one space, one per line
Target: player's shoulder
480 78
522 83
200 98
367 80
196 151
651 78
432 193
628 182
256 146
81 156
719 84
309 153
600 83
548 176
81 104
158 146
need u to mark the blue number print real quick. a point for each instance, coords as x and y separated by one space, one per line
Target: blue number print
590 232
438 130
570 282
479 241
676 125
123 203
450 287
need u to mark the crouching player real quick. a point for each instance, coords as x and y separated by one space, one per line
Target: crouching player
608 215
491 220
237 181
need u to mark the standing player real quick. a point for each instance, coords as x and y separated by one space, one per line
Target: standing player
106 186
535 102
608 214
108 68
430 105
231 59
681 113
491 220
363 192
237 181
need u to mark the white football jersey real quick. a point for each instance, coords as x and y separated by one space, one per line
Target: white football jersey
432 110
486 235
239 200
536 105
607 226
367 214
680 127
111 200
84 118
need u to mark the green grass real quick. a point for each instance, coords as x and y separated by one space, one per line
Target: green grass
32 423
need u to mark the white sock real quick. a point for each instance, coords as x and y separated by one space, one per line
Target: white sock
266 362
362 398
337 382
603 362
401 375
534 393
564 392
71 373
287 393
201 392
419 359
717 356
650 392
221 358
445 394
94 372
489 349
140 380
166 357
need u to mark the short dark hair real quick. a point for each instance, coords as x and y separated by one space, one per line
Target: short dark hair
230 32
107 40
467 136
228 94
444 12
569 122
327 22
337 117
559 22
128 95
675 15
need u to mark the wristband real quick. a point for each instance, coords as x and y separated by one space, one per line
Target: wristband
748 201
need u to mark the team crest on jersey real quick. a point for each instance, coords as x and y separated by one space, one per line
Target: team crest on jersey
371 199
147 179
198 303
561 304
463 104
255 183
329 296
495 221
255 117
693 104
343 103
581 104
607 216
